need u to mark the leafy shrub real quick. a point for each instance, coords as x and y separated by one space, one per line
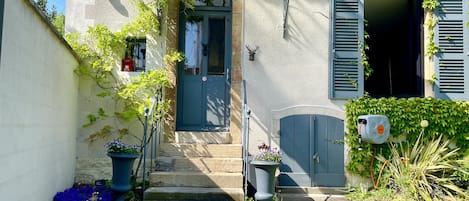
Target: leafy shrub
446 117
423 171
382 194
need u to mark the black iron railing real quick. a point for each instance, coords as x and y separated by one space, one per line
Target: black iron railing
152 135
246 115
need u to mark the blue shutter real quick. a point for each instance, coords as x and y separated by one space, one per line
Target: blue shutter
347 35
451 62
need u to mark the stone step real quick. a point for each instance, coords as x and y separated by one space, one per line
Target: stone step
312 190
193 193
196 179
199 150
310 197
189 137
199 164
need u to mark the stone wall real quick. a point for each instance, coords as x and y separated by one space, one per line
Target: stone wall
38 106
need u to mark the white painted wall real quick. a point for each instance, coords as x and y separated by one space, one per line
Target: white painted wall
290 75
38 107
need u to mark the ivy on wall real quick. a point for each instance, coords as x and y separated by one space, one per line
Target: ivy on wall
444 116
364 48
430 6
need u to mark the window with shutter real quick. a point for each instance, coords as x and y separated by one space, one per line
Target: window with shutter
347 35
451 62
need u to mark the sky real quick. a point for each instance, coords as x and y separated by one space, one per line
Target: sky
59 4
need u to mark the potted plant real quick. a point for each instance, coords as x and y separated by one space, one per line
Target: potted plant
123 156
266 163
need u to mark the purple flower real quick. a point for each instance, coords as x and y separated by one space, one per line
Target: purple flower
83 192
117 146
268 154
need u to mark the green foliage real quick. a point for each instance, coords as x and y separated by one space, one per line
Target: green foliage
422 171
430 24
367 70
139 94
432 48
59 23
57 19
100 51
362 193
173 57
92 118
249 199
104 132
50 13
444 116
364 48
430 4
433 80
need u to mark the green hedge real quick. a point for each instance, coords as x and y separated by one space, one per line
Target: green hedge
450 118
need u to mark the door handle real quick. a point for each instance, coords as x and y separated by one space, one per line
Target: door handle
227 75
316 157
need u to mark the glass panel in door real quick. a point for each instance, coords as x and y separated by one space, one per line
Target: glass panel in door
191 99
216 80
193 46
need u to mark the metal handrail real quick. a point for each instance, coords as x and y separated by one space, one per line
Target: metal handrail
154 139
246 115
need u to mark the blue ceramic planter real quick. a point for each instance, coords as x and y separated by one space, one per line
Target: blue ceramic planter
121 170
265 179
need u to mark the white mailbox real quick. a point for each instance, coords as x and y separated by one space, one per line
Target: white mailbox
373 128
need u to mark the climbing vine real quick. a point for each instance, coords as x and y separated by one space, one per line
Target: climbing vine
430 6
101 50
367 70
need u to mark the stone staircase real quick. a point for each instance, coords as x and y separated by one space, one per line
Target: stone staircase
199 166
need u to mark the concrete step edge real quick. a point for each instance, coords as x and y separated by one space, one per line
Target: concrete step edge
312 190
192 193
198 157
199 164
197 173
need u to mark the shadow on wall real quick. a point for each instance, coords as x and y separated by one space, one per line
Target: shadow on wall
119 7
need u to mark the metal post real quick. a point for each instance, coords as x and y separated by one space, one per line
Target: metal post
145 126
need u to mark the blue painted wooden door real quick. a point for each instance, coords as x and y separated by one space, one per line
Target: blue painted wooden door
204 77
313 151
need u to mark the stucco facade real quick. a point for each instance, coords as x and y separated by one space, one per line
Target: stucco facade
38 106
291 73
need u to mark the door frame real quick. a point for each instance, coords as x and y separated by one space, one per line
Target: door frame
205 11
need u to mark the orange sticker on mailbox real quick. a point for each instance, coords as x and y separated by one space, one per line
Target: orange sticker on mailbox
380 129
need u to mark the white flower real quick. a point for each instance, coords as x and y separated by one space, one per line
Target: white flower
424 123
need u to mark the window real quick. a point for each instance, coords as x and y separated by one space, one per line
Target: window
396 52
395 48
134 59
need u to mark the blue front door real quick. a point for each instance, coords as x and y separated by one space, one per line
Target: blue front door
204 77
